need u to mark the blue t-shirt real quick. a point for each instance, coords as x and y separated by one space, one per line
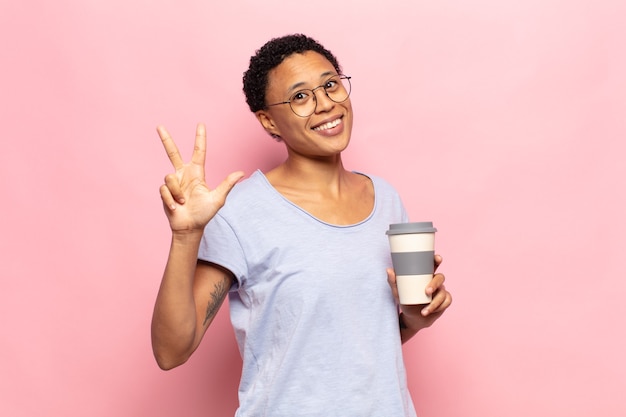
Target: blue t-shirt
314 317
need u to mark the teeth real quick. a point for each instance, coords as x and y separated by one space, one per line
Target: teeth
328 125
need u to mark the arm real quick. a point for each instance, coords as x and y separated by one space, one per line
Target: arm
191 291
414 318
189 297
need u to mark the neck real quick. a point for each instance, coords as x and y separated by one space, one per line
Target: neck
309 173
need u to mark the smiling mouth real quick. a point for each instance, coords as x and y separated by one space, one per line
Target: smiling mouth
328 125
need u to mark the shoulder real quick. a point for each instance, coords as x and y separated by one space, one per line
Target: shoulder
248 188
381 186
251 196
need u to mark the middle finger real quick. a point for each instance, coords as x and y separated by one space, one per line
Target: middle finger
170 147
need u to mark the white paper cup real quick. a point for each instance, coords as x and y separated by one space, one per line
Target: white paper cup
413 256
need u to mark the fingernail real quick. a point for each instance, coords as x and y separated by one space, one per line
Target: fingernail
173 207
425 312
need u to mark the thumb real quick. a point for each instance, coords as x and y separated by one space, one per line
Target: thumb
224 188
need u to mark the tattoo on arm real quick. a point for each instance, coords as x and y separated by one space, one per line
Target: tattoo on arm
217 297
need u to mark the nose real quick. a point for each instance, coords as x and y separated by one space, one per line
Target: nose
322 101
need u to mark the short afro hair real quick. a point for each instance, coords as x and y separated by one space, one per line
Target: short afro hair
272 54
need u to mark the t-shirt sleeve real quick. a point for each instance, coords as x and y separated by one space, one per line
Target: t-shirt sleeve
221 246
405 216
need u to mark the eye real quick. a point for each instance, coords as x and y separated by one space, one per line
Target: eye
331 84
300 97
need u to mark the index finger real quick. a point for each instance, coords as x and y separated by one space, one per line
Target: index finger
170 147
199 149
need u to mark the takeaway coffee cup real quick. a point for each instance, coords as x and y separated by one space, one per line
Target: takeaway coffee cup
413 256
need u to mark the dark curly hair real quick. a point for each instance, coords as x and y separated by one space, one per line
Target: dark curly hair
269 56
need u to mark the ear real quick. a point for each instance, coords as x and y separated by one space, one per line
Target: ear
268 123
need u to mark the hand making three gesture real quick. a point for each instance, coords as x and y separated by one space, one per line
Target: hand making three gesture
188 202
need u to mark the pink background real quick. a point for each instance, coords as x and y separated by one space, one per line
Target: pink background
502 122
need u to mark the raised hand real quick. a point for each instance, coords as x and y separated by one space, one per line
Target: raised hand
188 202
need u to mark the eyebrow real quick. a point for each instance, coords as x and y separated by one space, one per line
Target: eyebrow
298 85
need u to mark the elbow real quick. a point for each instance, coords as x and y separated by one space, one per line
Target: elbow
168 356
167 362
167 365
170 351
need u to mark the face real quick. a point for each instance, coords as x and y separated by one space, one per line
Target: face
327 131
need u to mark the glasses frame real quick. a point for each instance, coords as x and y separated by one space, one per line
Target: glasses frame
312 90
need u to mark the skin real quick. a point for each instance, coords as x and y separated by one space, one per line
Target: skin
191 292
312 177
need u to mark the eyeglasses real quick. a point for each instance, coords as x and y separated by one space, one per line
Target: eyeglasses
304 102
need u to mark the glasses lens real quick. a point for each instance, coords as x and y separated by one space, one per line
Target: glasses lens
303 103
338 88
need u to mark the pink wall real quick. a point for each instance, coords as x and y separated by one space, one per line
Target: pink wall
508 117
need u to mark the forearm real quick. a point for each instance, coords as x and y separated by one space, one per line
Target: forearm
406 332
174 320
415 318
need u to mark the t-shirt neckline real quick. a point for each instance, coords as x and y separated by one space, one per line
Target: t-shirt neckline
278 195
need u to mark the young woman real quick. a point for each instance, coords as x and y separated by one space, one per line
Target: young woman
301 252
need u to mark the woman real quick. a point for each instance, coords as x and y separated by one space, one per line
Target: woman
301 251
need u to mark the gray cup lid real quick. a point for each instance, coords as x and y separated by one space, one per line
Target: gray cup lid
415 227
